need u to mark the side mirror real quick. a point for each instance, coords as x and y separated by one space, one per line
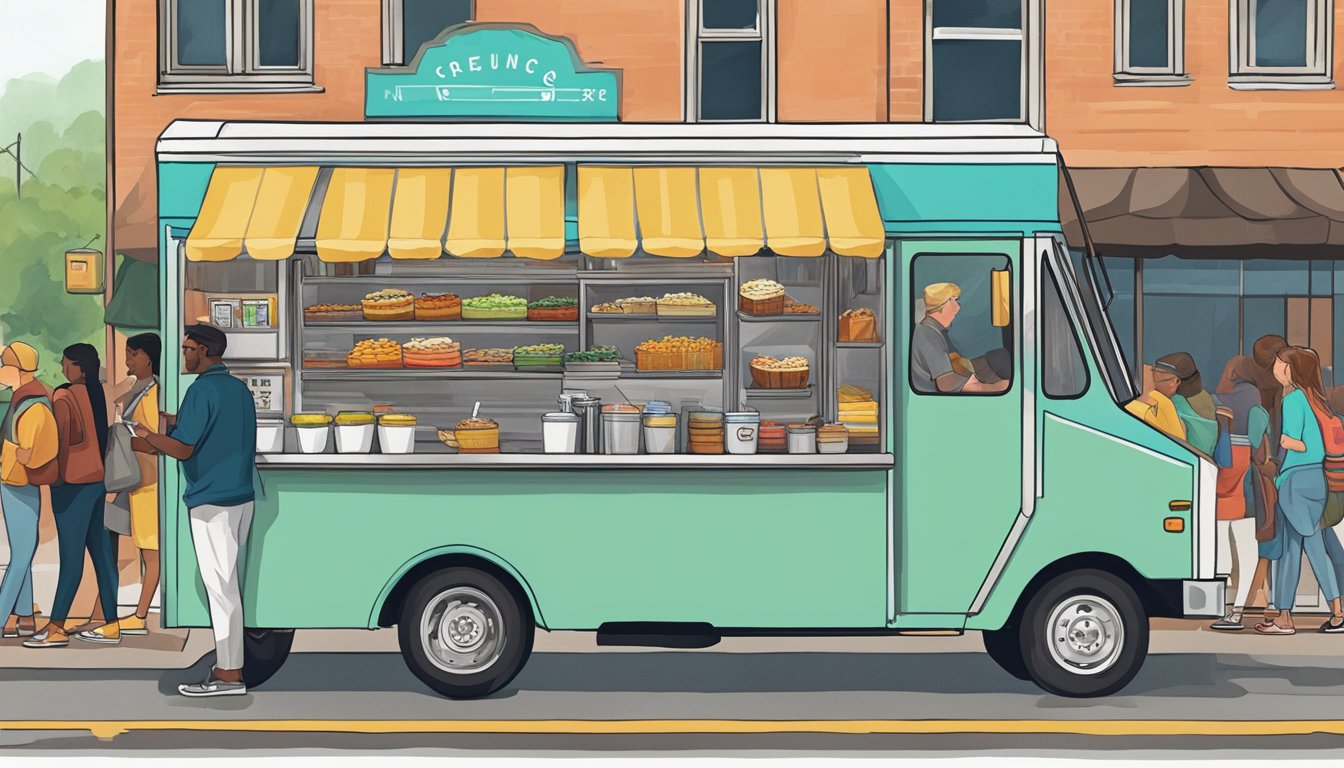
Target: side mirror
1001 297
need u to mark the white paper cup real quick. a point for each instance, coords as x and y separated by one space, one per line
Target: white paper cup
396 439
354 438
313 439
270 438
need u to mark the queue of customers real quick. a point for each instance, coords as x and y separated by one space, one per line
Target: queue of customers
60 438
1279 445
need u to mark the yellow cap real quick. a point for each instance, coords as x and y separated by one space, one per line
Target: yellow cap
21 356
938 294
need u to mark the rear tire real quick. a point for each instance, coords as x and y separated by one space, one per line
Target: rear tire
1004 646
1084 634
464 633
264 652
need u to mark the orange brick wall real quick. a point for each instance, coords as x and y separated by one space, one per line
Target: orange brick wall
642 38
1204 123
831 60
906 85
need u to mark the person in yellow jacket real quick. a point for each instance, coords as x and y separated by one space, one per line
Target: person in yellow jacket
1156 406
27 462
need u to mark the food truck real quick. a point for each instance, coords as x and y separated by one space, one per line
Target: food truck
663 383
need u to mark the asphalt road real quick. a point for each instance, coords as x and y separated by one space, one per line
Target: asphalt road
851 702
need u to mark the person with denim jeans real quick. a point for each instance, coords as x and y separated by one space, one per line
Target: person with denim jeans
27 462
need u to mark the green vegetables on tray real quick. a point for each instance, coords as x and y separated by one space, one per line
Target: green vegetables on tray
554 302
598 354
539 350
495 301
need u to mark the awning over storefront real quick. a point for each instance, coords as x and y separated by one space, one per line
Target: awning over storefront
1213 211
135 296
681 212
422 213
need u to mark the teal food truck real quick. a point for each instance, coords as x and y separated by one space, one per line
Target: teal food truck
669 383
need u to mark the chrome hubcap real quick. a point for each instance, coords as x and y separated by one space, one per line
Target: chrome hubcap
1085 634
461 631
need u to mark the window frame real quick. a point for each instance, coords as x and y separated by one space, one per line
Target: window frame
394 40
1174 74
242 70
1318 74
1048 276
916 295
1031 97
697 34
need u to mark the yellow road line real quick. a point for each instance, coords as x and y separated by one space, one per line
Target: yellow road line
106 729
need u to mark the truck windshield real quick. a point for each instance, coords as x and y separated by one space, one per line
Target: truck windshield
1086 275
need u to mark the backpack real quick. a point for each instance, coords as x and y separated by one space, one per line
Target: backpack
1332 435
46 474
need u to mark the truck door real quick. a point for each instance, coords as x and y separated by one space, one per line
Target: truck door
959 375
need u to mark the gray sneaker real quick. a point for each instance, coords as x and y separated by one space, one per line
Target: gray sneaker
212 686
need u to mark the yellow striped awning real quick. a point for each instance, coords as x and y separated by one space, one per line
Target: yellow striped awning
408 213
728 211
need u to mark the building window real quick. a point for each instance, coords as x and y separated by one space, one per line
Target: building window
1150 42
1282 44
730 73
409 24
233 45
983 61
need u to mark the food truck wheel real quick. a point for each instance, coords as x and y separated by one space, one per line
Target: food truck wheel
463 632
1004 646
264 652
1084 634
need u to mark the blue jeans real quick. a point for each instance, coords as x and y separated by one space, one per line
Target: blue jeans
22 504
1289 570
79 526
1336 553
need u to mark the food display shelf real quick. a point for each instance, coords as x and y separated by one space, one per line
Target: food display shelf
840 461
859 344
629 374
616 317
784 318
803 393
437 326
382 374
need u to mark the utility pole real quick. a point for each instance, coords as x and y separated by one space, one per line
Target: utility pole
15 150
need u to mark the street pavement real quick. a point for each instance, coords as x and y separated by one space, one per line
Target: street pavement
1199 690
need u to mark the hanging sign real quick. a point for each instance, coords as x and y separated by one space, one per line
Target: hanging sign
491 72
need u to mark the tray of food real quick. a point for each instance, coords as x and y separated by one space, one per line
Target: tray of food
772 373
488 357
679 353
332 313
554 308
388 304
685 305
438 306
434 352
538 356
494 306
375 353
761 297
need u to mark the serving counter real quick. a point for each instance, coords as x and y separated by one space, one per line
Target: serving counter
346 461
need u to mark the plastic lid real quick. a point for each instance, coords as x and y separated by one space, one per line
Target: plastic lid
560 416
742 416
801 429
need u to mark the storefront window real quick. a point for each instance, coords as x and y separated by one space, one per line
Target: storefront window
409 24
236 44
1203 326
1277 277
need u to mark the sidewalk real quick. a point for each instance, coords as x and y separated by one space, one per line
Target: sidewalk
181 648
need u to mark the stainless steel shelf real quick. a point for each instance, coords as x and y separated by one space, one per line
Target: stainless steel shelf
394 374
446 278
793 318
613 317
859 344
782 394
445 326
671 374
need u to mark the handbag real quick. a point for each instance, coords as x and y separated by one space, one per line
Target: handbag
121 469
1267 495
117 515
1222 446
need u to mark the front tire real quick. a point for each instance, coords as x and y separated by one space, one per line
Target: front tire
464 633
264 652
1084 634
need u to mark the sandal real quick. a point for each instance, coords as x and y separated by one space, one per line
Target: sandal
1274 629
1335 624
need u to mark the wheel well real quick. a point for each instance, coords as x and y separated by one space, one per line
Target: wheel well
1157 601
391 608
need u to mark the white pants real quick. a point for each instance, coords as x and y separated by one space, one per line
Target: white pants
220 538
1236 538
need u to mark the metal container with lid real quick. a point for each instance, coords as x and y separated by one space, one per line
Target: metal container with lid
802 438
620 432
741 431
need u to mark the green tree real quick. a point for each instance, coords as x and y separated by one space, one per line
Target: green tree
62 208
